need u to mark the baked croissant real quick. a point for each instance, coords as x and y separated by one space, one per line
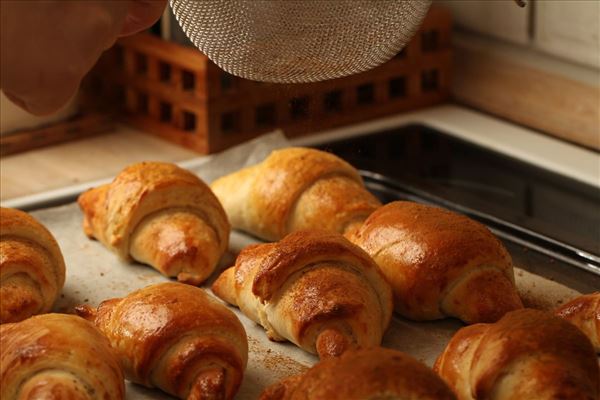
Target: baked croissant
374 373
161 215
56 357
439 263
313 288
295 189
32 268
528 354
175 337
584 313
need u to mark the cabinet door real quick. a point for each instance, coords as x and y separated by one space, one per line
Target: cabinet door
569 29
500 19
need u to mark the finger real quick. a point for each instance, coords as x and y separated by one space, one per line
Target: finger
142 15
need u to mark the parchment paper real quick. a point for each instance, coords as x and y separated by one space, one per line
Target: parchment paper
95 274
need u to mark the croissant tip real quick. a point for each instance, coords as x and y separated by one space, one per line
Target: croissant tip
224 286
190 279
85 311
332 343
210 384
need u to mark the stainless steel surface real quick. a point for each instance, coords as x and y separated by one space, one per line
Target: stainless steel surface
95 274
296 40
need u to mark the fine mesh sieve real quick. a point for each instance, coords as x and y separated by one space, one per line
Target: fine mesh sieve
292 41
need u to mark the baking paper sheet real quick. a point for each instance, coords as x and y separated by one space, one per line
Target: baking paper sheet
95 274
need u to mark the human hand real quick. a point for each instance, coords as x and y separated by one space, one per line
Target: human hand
47 47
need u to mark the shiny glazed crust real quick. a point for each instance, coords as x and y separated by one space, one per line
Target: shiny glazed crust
439 263
161 215
374 373
528 354
57 357
32 268
295 189
584 313
175 337
313 288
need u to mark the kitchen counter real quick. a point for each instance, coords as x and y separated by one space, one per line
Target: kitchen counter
83 160
73 167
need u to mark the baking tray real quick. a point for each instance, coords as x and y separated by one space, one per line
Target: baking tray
95 274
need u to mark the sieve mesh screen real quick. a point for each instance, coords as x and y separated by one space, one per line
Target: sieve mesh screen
293 41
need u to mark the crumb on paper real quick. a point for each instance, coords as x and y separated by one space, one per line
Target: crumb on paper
283 365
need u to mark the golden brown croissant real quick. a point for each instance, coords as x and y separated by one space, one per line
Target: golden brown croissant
57 357
295 189
32 268
175 337
528 354
161 215
313 288
374 373
439 263
584 313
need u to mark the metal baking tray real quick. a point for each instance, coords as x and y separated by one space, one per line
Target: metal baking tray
95 274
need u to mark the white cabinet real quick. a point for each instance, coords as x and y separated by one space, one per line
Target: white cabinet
502 19
569 29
